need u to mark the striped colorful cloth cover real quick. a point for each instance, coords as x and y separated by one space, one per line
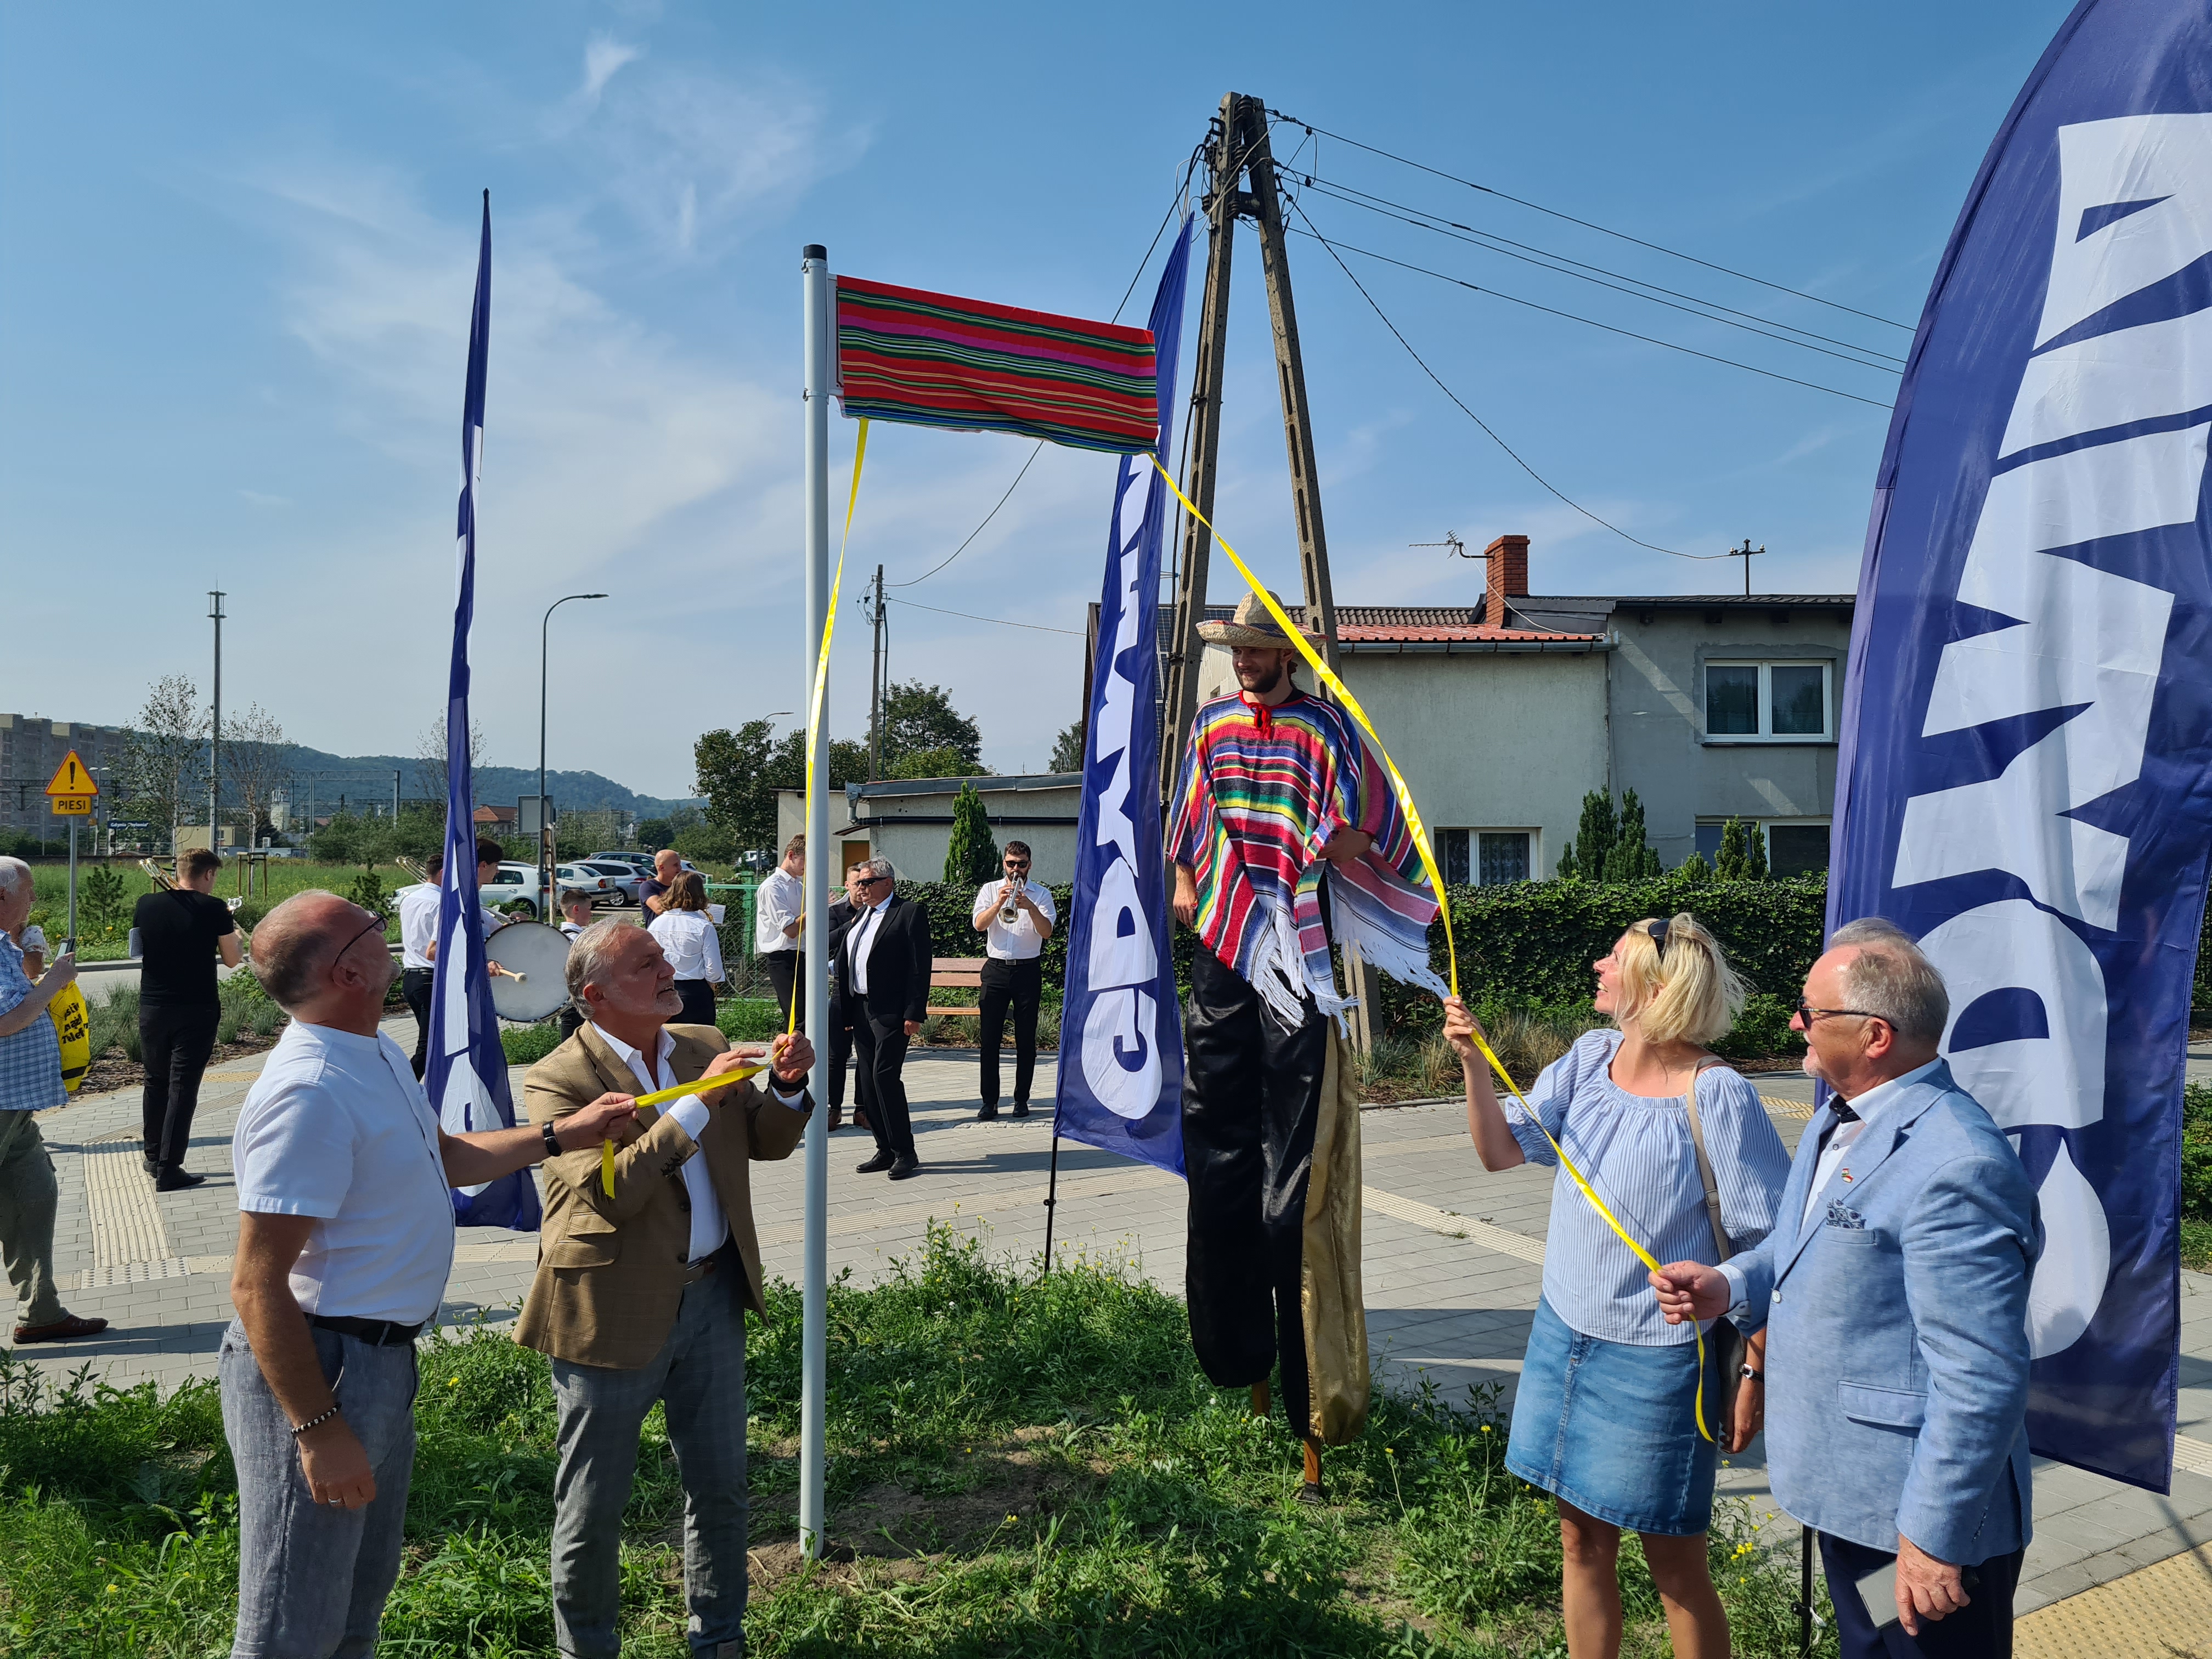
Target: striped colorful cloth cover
930 359
1263 789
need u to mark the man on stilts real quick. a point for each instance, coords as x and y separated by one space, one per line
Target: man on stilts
1286 839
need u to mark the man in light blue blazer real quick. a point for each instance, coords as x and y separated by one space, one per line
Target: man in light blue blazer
1893 1289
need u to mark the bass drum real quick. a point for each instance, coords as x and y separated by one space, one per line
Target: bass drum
540 955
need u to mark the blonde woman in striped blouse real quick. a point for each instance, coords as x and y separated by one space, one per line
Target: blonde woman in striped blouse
1605 1416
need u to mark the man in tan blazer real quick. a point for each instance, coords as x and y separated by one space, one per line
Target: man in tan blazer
640 1295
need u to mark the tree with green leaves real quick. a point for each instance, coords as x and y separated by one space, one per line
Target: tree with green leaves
1631 857
916 717
1694 870
165 758
971 856
350 839
1068 749
928 763
1743 852
739 773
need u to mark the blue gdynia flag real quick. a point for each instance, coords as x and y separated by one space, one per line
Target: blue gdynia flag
2025 774
466 1073
1121 1031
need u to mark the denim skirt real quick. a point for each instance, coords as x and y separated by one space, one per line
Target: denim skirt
1612 1428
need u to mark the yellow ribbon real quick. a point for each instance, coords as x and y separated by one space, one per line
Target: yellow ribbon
822 659
697 1085
1343 695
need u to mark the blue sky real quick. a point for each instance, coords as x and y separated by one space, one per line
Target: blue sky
236 246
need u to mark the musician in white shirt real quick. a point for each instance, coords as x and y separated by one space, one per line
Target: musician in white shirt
687 939
1015 916
418 937
780 911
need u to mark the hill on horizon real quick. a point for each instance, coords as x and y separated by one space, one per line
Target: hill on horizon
368 778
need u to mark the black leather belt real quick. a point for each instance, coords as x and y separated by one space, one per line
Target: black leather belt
707 1264
383 1333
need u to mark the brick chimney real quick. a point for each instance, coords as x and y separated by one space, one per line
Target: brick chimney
1506 561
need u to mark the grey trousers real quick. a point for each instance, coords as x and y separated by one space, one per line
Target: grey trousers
29 1198
699 1377
312 1578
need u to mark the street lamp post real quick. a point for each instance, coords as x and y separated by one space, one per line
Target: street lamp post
215 722
545 860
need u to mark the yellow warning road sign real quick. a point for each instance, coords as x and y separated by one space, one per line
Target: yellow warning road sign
72 806
72 778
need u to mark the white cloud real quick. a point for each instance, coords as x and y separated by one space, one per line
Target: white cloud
602 56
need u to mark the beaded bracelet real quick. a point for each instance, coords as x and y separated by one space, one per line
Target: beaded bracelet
316 1421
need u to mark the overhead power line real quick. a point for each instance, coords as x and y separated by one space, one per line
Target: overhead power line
1545 260
1000 622
1630 333
1604 230
1488 430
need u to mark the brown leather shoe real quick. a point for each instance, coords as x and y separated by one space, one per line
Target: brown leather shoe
64 1329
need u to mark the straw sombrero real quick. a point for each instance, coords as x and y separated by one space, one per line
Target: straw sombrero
1253 626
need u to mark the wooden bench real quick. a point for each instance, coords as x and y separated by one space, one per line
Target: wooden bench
955 973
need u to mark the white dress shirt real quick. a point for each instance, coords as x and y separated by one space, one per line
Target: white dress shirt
1868 1106
689 941
418 923
1021 942
782 895
709 1226
862 938
336 1128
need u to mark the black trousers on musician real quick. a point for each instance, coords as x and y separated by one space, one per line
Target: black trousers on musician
1981 1630
879 1042
1251 1100
698 996
415 985
175 1044
1020 986
787 974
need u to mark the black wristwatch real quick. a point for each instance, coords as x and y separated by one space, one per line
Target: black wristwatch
552 1144
1751 1375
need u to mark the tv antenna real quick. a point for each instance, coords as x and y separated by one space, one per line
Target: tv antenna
1452 541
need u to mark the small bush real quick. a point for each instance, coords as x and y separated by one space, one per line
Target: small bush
527 1045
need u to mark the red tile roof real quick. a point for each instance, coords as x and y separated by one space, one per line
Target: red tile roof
1433 633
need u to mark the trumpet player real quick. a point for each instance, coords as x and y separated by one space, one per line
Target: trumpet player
1016 915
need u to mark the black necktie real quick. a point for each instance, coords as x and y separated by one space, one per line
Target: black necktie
1843 1113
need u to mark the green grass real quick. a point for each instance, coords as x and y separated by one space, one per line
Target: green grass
2197 1176
50 903
1017 1467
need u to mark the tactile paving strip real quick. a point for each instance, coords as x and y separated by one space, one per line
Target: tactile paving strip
128 1244
2162 1612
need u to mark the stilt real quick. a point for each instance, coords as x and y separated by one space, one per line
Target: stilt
1312 1493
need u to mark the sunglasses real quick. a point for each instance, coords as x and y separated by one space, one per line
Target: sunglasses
1017 864
1808 1013
1657 929
377 926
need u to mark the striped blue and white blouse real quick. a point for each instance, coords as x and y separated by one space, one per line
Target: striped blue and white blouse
1637 1153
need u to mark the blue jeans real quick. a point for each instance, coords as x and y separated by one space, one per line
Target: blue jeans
699 1377
312 1578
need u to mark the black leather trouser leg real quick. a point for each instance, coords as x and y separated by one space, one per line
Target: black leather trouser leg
1251 1098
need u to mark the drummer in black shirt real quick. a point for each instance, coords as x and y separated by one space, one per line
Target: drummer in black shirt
179 934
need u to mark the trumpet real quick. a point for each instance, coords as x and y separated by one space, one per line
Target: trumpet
1010 913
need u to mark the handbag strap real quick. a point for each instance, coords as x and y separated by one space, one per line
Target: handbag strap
1706 1170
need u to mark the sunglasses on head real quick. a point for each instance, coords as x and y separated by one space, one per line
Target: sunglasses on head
1657 929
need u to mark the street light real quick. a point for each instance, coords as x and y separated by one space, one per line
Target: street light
545 830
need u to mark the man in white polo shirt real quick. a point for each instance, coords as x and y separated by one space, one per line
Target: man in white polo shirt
345 1239
1015 916
778 913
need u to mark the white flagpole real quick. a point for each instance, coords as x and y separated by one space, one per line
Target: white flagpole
813 1393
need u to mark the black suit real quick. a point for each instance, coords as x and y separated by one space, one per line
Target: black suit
899 957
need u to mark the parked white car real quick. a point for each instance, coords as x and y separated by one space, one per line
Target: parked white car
515 888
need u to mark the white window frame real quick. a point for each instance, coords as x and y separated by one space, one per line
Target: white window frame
1766 733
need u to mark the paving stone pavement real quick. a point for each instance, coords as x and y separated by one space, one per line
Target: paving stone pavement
1453 1258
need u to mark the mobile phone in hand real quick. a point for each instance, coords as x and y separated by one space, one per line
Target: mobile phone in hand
1878 1594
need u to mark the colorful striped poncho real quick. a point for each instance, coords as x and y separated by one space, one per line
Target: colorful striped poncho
1263 791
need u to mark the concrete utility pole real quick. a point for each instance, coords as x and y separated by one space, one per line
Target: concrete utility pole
1239 149
215 722
876 684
